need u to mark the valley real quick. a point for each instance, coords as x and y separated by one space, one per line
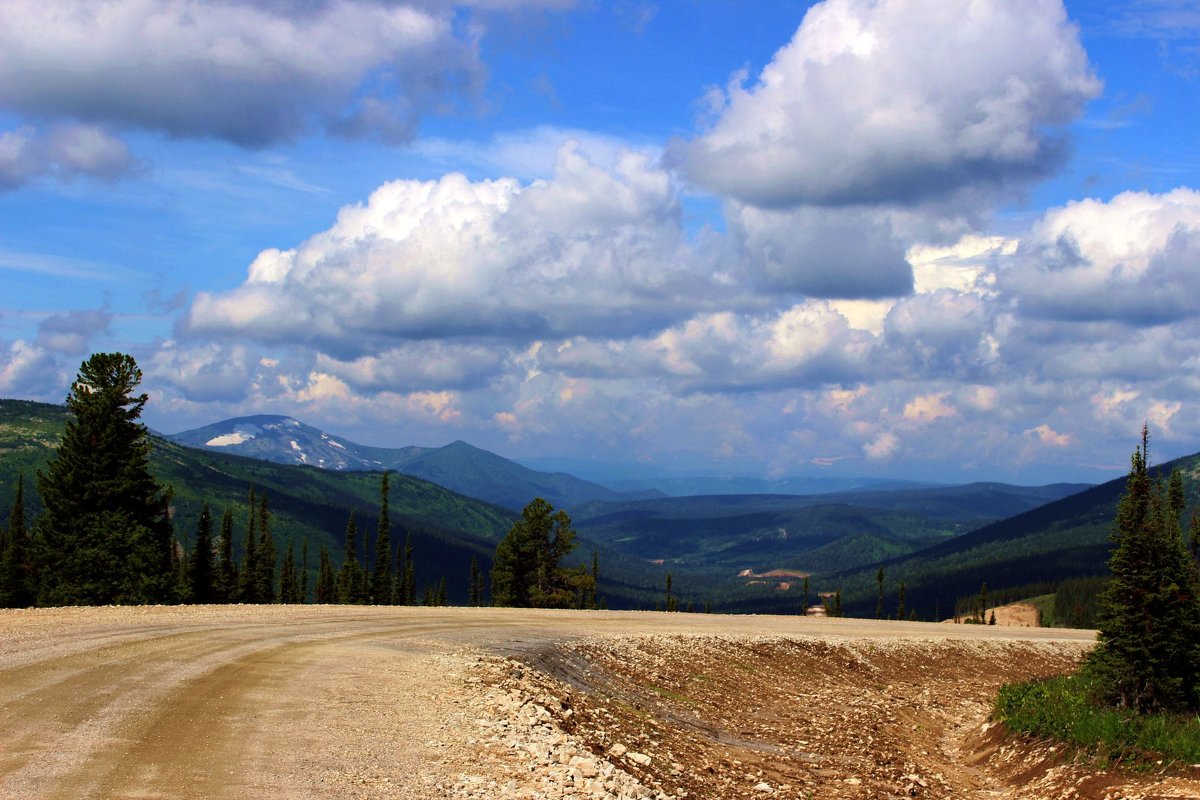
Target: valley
341 702
942 541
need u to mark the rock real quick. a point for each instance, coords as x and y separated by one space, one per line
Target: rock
640 758
764 787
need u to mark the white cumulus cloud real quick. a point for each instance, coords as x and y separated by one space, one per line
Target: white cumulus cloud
899 101
1134 258
588 251
247 71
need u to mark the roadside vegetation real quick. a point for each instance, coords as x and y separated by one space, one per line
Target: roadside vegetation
1136 699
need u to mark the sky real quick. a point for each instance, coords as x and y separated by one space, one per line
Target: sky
950 241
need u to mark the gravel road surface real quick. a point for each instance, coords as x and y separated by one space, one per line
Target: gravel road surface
366 702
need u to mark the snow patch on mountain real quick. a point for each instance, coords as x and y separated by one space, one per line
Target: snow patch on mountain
228 439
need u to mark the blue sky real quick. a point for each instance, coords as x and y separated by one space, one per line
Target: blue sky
955 241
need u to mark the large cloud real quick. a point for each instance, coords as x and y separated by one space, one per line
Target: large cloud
821 252
590 251
248 71
899 101
1133 259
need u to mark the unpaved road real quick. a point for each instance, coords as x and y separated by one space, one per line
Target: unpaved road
349 702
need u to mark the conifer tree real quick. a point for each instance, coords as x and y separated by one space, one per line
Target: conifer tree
1194 533
289 585
248 574
381 577
348 576
200 565
326 588
427 598
672 604
879 593
837 603
410 573
903 598
303 591
440 595
1148 655
474 591
983 602
16 556
804 602
1176 496
526 571
225 580
104 536
264 584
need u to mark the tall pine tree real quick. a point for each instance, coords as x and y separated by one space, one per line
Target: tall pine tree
225 581
303 590
350 576
475 589
248 574
16 557
289 584
264 584
381 578
326 590
1148 655
200 564
105 535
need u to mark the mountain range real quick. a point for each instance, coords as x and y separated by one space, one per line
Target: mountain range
459 466
942 541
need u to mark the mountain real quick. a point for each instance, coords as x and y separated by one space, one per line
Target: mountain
459 466
1041 547
810 533
309 504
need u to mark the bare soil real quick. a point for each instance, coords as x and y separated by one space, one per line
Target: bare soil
344 702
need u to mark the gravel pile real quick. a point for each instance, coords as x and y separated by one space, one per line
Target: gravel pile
521 739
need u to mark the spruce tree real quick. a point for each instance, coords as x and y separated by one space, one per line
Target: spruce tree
1194 533
265 555
289 585
326 588
200 565
248 574
440 596
303 590
879 593
348 576
381 577
526 570
16 556
104 536
225 580
903 599
410 573
1148 655
804 602
474 591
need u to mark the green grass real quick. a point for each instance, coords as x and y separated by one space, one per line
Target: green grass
1044 603
1058 708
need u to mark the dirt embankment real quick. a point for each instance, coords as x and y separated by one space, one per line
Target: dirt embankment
300 702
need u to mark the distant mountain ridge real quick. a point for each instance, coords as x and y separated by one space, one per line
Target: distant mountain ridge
459 466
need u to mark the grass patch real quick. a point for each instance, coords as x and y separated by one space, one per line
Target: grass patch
1044 603
1058 708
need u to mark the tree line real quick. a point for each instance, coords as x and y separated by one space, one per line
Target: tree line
106 533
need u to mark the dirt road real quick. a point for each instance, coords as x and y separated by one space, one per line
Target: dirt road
341 702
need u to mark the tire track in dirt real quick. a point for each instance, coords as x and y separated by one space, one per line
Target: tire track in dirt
169 715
